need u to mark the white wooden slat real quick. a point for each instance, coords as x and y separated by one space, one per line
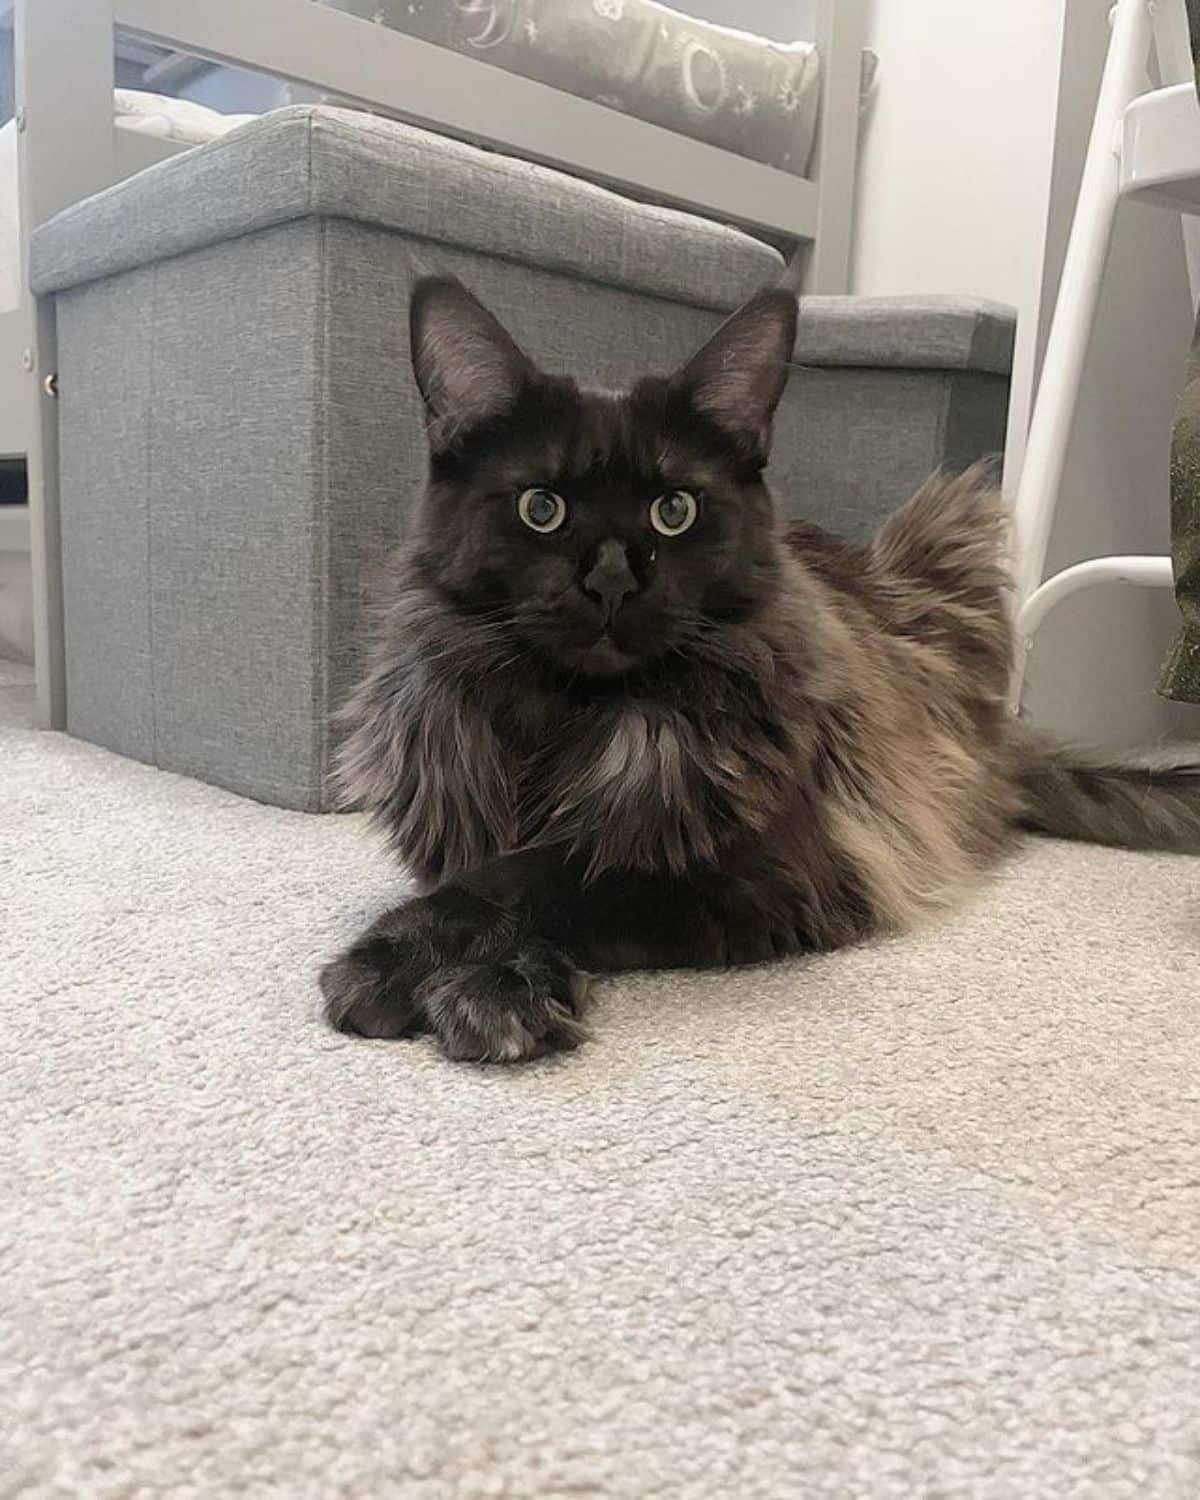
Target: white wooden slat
841 30
64 77
65 86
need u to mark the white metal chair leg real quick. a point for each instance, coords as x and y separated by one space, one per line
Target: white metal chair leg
1154 572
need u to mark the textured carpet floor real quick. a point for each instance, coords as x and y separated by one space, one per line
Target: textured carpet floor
917 1220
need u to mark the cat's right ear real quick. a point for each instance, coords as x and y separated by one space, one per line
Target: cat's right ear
736 380
467 368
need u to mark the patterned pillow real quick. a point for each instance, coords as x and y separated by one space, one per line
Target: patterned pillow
730 88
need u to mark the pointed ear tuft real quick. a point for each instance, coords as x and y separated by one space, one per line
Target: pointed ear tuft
736 380
467 367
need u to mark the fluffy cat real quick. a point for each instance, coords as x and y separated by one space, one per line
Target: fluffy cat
619 714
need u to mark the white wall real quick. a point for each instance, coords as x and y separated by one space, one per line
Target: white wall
957 144
958 156
971 162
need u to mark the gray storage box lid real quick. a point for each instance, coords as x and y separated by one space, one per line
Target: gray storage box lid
910 333
316 160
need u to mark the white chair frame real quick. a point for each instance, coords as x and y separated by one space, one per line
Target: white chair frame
1143 145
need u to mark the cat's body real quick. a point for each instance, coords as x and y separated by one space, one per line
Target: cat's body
600 747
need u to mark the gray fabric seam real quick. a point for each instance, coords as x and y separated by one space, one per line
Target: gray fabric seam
310 165
320 592
975 342
943 422
151 406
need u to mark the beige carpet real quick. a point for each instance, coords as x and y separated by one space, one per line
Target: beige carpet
917 1220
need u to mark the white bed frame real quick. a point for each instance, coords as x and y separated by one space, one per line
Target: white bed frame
68 149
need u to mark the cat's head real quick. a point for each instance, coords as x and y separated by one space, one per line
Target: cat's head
602 530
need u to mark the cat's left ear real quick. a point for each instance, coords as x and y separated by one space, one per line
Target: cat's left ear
736 380
468 369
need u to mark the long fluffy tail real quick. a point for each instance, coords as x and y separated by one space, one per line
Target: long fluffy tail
1144 806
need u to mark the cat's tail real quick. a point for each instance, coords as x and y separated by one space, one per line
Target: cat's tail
1136 805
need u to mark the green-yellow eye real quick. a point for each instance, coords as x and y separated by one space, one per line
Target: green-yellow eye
541 510
673 512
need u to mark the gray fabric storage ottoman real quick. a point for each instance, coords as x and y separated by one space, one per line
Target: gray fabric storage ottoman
241 439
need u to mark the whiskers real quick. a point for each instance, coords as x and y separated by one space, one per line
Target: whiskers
714 644
474 647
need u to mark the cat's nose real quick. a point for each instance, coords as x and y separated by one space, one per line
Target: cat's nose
610 580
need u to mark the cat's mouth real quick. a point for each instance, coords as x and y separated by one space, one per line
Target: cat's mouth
603 657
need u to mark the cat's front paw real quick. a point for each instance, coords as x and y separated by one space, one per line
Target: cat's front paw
369 989
523 1005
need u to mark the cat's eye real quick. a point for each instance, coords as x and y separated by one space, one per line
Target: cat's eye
541 510
673 513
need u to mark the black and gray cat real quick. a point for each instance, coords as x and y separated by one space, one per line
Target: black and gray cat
619 714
